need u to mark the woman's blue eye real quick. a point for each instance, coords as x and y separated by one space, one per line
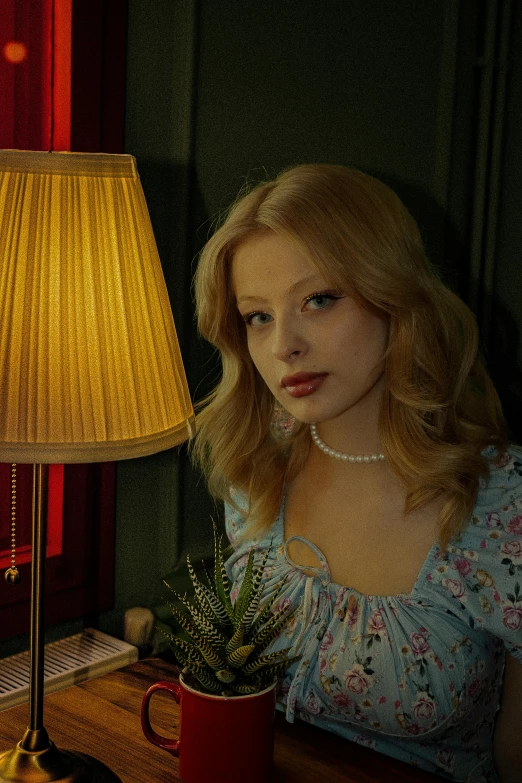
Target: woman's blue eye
317 301
257 319
321 301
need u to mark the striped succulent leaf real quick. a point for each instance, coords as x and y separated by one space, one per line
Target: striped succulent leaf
214 660
236 640
271 634
245 593
208 599
199 635
239 657
246 688
201 619
251 590
221 582
226 648
265 660
266 632
272 671
251 611
267 610
210 683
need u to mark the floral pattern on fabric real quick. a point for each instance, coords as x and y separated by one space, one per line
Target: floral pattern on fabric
415 676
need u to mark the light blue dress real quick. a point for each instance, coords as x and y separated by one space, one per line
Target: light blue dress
415 676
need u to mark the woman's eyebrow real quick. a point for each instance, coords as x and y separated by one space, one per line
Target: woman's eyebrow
305 281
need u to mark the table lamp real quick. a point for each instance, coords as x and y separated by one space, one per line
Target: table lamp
90 368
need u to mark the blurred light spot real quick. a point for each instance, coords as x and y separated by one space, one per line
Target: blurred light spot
15 52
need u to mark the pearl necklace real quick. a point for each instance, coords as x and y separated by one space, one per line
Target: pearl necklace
339 454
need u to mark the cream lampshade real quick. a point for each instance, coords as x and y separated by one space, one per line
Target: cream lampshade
90 367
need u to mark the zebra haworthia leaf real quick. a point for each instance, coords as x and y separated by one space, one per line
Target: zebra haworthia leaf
227 649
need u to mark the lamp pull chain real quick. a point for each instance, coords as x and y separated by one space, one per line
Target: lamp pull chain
12 575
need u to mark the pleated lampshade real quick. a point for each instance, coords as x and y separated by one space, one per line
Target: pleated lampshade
90 367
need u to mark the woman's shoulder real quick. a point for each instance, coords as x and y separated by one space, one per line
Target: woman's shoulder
235 515
505 474
244 542
483 567
237 524
496 518
498 507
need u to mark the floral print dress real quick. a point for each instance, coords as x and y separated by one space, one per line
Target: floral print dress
415 676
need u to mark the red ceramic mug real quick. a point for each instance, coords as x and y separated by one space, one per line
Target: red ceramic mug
222 739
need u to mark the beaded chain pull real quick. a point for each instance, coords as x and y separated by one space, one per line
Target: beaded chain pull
12 575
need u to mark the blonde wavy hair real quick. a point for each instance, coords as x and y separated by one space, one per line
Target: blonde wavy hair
440 408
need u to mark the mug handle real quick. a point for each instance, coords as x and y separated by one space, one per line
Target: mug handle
170 745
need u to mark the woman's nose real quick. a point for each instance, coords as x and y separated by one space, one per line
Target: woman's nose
288 342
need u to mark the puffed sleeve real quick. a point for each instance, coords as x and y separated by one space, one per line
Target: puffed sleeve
483 569
235 516
234 526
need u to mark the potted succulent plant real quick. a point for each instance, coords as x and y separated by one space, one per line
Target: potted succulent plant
227 682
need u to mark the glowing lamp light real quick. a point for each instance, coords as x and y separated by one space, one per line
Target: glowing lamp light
15 52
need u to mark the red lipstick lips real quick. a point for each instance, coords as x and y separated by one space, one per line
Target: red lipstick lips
301 384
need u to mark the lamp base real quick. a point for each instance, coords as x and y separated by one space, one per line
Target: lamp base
43 765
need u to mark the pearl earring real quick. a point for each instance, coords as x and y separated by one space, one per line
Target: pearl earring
283 424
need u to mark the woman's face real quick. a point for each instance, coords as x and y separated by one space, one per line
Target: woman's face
319 352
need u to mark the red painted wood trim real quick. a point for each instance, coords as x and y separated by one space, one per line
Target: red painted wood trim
7 73
23 511
62 75
80 580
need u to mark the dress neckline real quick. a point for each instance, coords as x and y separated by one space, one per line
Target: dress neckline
426 568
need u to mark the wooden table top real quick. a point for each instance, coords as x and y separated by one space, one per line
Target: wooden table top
101 717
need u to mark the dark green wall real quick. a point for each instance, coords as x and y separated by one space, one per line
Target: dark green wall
220 93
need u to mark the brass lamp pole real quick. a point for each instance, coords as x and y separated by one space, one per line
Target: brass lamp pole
90 368
36 758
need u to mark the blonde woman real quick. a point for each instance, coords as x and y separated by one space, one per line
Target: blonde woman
355 430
